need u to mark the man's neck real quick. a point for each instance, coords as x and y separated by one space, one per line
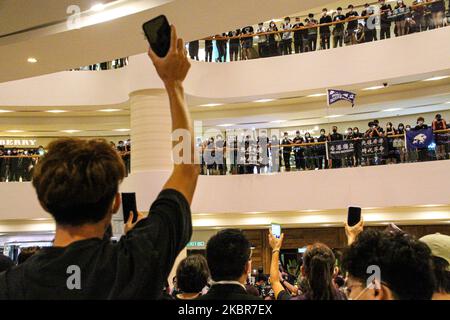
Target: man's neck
66 235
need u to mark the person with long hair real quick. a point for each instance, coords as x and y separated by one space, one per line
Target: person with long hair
317 270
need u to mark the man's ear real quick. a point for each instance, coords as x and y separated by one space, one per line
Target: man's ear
116 203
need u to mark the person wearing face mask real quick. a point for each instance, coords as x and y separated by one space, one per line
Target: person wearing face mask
400 18
235 46
262 40
335 136
287 149
352 25
325 30
221 147
309 153
349 161
275 153
338 31
273 45
412 155
299 152
370 32
356 138
287 36
322 152
298 36
312 32
390 131
385 21
399 143
422 153
441 138
247 43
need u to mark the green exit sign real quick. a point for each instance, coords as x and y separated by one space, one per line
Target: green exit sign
196 244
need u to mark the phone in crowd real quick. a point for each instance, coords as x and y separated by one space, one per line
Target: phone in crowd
354 216
158 32
128 205
276 230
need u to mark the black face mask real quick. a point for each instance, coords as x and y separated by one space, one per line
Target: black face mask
334 130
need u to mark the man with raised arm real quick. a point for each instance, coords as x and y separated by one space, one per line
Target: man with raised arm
77 182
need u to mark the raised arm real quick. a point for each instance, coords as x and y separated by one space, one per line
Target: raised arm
172 70
275 280
353 232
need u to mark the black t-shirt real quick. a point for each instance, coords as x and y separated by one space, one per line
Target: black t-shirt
248 30
354 23
136 267
298 33
326 19
386 9
336 137
339 26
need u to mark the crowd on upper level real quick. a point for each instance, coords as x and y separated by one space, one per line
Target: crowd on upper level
297 35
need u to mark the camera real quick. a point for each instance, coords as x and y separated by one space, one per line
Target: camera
385 84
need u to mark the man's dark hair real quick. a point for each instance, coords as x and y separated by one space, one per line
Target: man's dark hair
192 274
405 263
227 253
441 274
76 181
26 253
5 263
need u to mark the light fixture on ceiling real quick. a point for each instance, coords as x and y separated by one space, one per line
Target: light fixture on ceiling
70 131
278 121
226 125
56 111
437 78
5 111
392 109
264 100
32 60
110 110
122 130
334 116
316 95
211 105
98 7
373 88
14 131
448 102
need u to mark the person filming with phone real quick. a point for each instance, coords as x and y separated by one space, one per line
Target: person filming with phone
77 182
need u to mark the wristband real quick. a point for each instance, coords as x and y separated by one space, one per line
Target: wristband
275 250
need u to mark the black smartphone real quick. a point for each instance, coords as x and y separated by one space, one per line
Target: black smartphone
158 32
354 216
128 205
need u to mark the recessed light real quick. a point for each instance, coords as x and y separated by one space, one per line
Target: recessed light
226 125
334 116
317 95
122 130
445 103
264 100
70 131
98 7
211 105
14 131
32 60
56 111
5 111
392 109
437 78
110 110
278 121
374 88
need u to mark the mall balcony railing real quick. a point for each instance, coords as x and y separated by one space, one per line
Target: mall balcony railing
247 158
107 65
270 43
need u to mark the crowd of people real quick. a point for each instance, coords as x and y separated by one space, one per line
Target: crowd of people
297 35
77 183
260 154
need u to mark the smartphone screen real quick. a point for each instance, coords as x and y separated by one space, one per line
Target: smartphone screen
128 205
276 230
354 216
157 32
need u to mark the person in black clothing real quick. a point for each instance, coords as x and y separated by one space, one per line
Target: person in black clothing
208 50
234 45
335 136
322 153
422 152
287 149
370 32
385 21
353 24
338 31
220 155
298 36
273 45
229 259
77 182
247 43
312 32
192 277
299 152
194 46
356 137
325 30
5 263
221 45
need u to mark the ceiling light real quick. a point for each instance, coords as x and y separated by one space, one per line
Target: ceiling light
98 7
14 131
226 125
445 103
110 110
70 131
32 60
211 105
5 111
317 95
437 78
392 109
334 116
278 121
264 100
374 88
122 130
56 111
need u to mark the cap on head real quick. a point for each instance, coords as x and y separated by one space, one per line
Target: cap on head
439 245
